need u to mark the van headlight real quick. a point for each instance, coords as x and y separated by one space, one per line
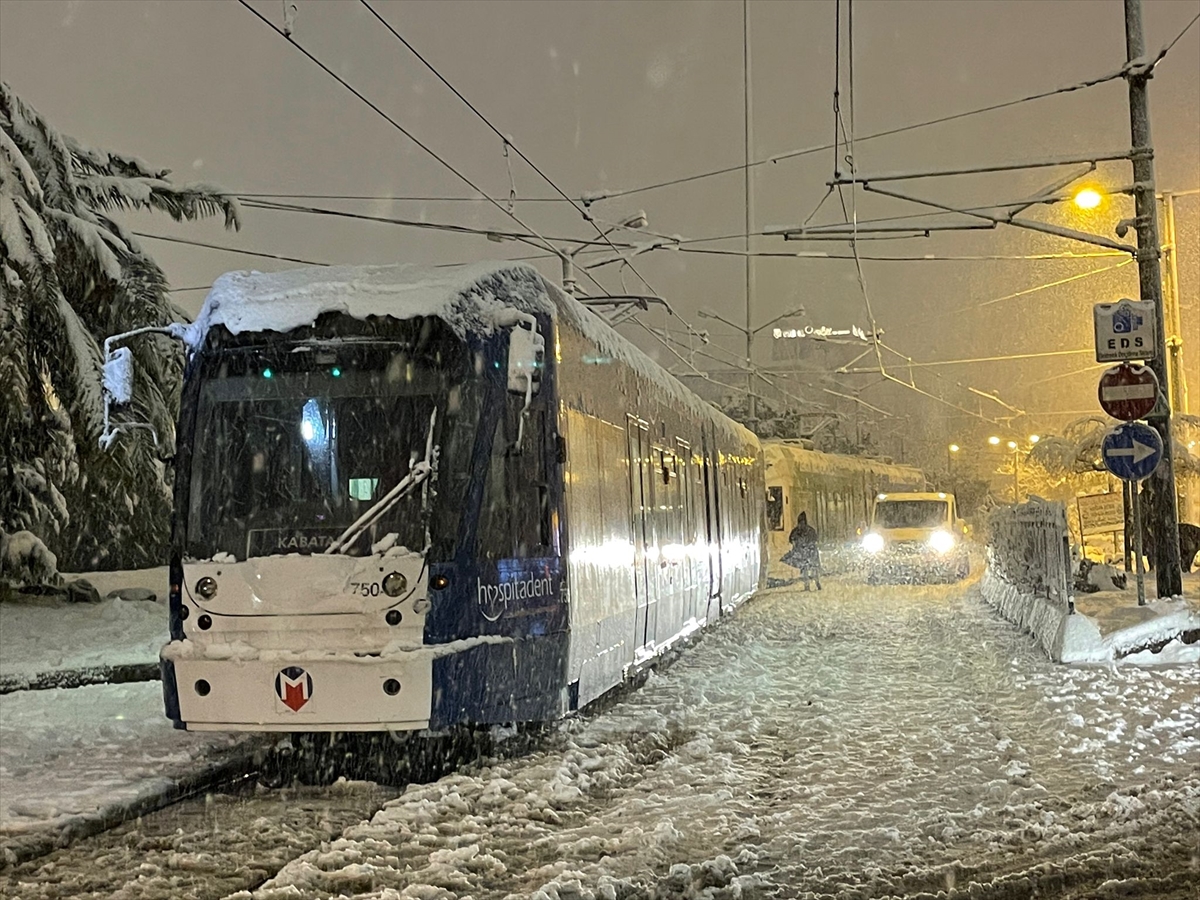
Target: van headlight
941 541
872 542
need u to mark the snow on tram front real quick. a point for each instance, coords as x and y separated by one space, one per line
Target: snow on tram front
372 498
327 433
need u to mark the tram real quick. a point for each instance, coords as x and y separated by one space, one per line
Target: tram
410 499
837 492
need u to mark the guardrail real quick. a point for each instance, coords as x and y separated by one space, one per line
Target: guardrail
1029 546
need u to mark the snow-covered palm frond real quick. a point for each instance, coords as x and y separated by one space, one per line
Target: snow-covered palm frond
43 148
181 202
70 276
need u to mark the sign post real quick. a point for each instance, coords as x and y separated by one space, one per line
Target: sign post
1132 452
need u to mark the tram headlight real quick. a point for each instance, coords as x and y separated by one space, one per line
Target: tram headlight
206 587
872 542
941 541
394 584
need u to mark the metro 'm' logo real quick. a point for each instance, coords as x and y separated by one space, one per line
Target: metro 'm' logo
293 686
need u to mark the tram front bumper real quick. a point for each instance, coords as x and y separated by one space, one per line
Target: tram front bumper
373 693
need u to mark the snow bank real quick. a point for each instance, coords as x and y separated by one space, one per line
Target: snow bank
25 560
67 754
1079 638
52 635
1065 638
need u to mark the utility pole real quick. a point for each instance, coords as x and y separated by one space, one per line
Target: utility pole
1163 516
753 407
1174 329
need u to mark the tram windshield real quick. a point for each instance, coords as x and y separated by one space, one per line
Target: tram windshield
294 441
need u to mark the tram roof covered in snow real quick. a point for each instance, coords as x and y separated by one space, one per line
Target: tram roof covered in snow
479 296
782 453
472 296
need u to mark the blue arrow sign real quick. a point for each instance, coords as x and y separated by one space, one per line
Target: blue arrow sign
1132 451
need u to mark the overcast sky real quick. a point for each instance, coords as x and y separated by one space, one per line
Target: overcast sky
611 95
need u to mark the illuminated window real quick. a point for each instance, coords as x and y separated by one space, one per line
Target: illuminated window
363 488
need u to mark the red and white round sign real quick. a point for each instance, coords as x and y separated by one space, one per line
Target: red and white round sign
1128 392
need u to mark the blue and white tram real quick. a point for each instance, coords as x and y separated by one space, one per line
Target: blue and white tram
411 499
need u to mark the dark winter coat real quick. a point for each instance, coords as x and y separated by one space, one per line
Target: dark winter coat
804 551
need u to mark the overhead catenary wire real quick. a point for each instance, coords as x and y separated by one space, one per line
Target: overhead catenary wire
508 143
259 253
546 245
820 148
1042 287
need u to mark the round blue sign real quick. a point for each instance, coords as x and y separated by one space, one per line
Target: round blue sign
1132 451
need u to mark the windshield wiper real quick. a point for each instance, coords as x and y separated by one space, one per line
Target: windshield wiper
418 473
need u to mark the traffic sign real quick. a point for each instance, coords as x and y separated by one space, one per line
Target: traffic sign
1128 392
1125 330
1132 451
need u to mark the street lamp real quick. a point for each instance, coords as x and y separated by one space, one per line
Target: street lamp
1088 198
749 334
950 451
1034 438
1012 445
993 440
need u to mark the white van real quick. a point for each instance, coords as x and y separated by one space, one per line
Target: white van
915 537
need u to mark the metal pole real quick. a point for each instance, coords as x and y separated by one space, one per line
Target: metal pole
1127 530
1137 540
1164 515
1177 387
1017 476
753 407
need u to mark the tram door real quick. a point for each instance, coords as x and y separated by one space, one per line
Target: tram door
641 493
712 521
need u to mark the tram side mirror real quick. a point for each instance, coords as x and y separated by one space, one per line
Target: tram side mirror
118 376
526 355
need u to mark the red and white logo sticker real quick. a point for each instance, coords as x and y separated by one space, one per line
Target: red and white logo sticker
294 687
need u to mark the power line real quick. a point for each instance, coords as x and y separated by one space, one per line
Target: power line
392 197
259 253
409 223
928 257
507 141
819 148
1042 287
404 131
975 359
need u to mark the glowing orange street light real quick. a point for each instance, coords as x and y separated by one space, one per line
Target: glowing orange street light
1088 198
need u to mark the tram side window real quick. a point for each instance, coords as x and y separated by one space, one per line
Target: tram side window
514 520
775 508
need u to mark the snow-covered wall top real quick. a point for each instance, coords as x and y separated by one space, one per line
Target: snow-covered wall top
464 296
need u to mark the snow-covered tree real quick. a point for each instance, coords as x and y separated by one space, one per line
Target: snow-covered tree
70 276
1078 449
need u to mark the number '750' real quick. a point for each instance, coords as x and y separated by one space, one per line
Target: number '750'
365 588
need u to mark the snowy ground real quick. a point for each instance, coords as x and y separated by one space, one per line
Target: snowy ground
41 634
858 742
71 754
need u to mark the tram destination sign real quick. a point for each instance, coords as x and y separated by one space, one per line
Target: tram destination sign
1125 330
1128 392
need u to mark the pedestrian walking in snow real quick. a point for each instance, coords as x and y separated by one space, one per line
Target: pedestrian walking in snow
804 554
